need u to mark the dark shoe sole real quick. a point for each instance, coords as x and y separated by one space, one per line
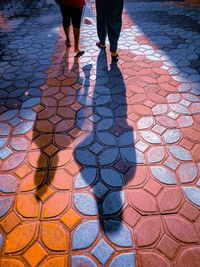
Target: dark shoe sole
79 54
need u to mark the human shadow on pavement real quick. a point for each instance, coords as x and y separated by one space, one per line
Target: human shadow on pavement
53 140
106 153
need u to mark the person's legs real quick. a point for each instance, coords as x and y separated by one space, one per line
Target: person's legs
65 10
76 22
101 21
114 10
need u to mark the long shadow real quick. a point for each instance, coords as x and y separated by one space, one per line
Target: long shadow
51 130
174 31
107 152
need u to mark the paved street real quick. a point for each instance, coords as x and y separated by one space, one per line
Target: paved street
100 162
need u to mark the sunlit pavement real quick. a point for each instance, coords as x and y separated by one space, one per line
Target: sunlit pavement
100 162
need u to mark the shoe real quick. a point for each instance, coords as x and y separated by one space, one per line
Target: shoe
115 58
100 45
79 53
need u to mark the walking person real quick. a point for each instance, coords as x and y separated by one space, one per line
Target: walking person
71 13
109 22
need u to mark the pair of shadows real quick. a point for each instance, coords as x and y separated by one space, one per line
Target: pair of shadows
108 104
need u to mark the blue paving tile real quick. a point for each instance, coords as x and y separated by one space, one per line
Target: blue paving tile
104 124
85 204
184 87
84 112
126 139
85 157
85 235
8 115
19 143
34 101
124 260
4 129
172 136
118 233
34 92
193 194
5 84
27 114
113 202
179 153
85 100
96 148
195 89
5 204
112 177
28 68
151 137
15 121
104 111
24 75
163 175
24 98
38 82
188 173
43 67
102 100
6 152
109 156
21 84
44 61
85 142
39 75
3 142
102 252
23 127
99 189
4 94
78 261
8 183
107 138
129 154
86 178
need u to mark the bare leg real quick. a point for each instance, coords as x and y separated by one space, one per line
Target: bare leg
67 33
76 39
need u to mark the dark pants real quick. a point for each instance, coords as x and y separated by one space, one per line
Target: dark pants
71 14
109 21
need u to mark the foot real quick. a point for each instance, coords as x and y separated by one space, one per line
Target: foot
100 45
115 57
78 53
68 43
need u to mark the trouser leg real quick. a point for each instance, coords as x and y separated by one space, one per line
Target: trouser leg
114 22
101 20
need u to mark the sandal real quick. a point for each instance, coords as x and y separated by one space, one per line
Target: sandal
100 45
79 53
115 58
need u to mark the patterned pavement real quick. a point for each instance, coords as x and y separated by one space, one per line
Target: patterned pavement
100 162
